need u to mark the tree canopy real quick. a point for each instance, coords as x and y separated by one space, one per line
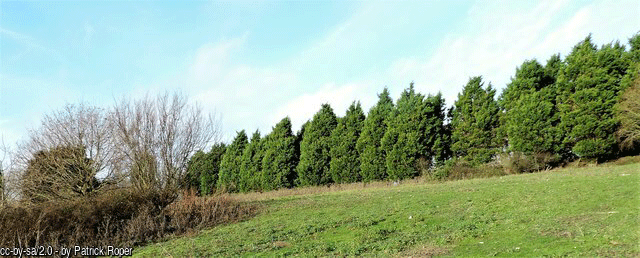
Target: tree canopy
345 164
315 159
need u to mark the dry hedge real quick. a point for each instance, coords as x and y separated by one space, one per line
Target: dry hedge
118 218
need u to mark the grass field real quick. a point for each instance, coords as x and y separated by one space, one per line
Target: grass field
591 211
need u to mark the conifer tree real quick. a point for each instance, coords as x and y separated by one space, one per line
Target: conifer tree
474 123
209 175
589 86
279 162
231 162
299 136
628 108
530 117
633 57
251 166
415 138
372 155
345 165
436 136
628 111
195 167
313 168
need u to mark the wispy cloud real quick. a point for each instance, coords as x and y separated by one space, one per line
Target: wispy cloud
497 38
303 107
245 96
492 41
31 43
341 66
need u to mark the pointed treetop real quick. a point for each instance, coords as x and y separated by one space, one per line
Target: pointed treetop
256 136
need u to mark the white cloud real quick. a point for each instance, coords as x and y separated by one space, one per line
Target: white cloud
302 108
491 41
245 96
31 43
498 37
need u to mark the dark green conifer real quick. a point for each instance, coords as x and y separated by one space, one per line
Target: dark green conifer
229 175
345 163
313 168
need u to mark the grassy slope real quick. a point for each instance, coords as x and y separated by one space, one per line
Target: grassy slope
575 212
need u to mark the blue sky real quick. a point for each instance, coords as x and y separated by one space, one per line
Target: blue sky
255 62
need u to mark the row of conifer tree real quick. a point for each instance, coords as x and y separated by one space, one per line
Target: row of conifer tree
567 108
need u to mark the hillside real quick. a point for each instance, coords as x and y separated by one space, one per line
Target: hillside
592 211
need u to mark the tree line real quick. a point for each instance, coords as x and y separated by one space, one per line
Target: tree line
585 106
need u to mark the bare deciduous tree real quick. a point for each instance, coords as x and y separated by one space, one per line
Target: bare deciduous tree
81 148
70 149
158 136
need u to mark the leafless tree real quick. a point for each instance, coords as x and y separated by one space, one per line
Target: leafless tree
78 137
81 149
158 136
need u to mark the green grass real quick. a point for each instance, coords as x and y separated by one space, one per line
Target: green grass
567 212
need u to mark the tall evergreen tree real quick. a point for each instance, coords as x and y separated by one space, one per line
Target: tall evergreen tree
633 57
313 168
628 108
436 136
195 167
372 155
231 162
530 117
345 165
474 123
299 137
400 141
415 137
251 167
279 162
211 168
589 86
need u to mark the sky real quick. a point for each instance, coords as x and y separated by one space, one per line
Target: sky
253 63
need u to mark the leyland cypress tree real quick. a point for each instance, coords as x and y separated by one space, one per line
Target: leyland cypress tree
474 123
299 136
628 108
195 167
313 168
345 165
436 136
372 155
231 162
589 86
400 141
415 137
251 165
279 162
530 116
208 177
633 57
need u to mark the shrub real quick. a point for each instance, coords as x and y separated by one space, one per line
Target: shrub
456 169
119 217
518 162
